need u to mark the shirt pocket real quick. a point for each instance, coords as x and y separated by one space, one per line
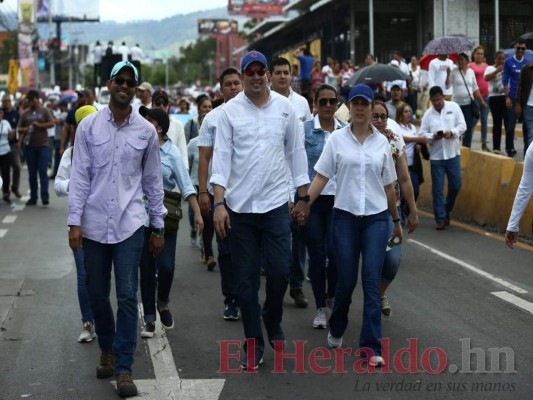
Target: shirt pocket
100 150
132 156
276 129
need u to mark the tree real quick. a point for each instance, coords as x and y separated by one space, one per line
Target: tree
193 63
9 51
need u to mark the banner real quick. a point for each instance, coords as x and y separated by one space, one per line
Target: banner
12 79
26 13
254 7
217 26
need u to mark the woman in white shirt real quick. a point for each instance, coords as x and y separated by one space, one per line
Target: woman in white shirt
5 157
465 89
360 160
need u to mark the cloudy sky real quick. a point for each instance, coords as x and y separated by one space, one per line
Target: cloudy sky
128 10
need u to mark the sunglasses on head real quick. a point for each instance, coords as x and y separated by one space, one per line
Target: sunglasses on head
120 80
325 100
251 71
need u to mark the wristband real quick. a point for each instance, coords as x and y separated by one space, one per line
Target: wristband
220 203
396 220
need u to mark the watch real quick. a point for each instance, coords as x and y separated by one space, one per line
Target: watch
159 232
305 198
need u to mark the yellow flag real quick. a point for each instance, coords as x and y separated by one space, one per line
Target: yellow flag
12 80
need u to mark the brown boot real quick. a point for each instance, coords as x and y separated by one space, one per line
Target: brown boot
125 386
106 367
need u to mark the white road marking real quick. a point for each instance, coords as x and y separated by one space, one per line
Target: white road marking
515 300
167 382
9 219
3 232
471 268
18 207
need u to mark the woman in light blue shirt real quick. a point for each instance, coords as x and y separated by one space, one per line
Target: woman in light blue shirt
174 174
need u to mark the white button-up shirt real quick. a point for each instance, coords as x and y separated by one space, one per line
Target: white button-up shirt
252 146
361 170
450 119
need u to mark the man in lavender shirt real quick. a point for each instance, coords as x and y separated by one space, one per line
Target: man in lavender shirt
116 160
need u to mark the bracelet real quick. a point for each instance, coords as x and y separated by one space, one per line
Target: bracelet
220 203
396 220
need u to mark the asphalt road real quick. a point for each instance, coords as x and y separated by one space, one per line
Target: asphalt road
452 301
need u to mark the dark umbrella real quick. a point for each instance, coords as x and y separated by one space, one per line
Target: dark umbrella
448 45
377 73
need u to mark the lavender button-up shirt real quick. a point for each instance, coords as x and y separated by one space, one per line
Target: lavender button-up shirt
113 166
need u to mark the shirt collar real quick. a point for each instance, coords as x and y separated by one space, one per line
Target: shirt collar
130 119
317 125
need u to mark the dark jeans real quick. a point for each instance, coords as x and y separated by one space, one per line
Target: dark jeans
249 233
469 119
83 295
299 253
16 167
509 134
404 206
5 166
37 160
125 258
228 278
355 236
452 169
499 115
161 266
322 260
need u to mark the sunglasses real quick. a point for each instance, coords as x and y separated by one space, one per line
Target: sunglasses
251 71
377 117
120 80
325 100
162 102
521 48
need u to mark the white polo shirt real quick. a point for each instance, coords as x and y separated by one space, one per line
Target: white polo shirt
450 118
251 148
361 170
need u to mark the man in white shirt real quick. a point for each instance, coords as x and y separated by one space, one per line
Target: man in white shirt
124 51
230 86
137 58
258 133
437 73
143 97
280 78
98 53
443 124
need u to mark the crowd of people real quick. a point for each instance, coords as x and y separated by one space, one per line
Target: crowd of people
279 183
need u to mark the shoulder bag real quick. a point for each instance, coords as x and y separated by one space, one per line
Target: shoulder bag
475 108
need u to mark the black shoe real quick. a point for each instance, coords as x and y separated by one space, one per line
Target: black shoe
148 330
247 365
31 202
125 386
299 298
45 202
166 318
106 367
16 193
6 198
447 220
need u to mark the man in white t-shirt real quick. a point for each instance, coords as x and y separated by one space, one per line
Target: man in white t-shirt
437 73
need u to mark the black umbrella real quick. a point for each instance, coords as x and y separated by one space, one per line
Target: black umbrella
377 73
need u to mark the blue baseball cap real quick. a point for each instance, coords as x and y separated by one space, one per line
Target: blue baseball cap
124 64
363 91
253 56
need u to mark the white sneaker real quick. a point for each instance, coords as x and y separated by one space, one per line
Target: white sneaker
321 319
376 361
334 342
87 334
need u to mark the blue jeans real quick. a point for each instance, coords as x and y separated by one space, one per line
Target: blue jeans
483 116
250 232
528 122
393 257
509 135
299 254
37 160
352 237
452 169
322 260
469 119
125 257
83 296
228 279
163 266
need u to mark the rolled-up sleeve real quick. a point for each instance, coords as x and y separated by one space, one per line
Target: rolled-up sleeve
152 182
326 163
222 151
